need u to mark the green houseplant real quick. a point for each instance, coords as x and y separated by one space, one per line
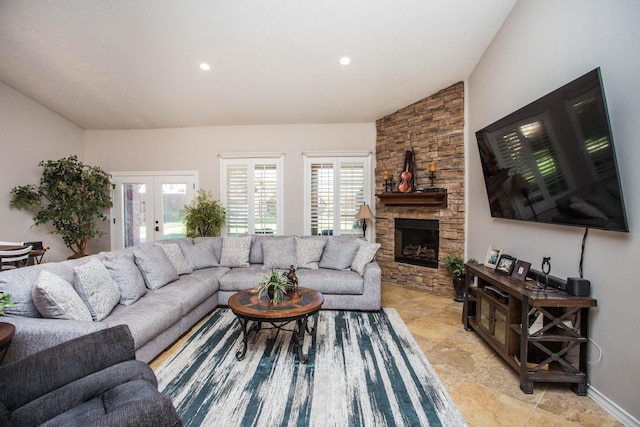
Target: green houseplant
5 301
72 197
275 285
455 265
203 217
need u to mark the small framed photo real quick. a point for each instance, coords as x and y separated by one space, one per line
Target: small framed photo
521 270
505 266
493 255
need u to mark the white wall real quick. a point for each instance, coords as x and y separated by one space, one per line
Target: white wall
198 149
30 133
541 46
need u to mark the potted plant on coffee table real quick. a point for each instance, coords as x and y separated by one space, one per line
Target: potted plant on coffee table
275 285
455 265
5 301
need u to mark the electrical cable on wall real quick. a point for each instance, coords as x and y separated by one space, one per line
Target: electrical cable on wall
584 242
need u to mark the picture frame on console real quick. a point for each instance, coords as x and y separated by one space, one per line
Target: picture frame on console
493 255
505 266
521 270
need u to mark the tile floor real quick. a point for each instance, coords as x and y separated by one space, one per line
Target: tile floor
482 385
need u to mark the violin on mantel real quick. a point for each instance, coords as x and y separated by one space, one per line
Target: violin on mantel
406 183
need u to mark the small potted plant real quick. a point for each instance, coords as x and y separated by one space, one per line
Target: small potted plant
455 265
5 301
274 285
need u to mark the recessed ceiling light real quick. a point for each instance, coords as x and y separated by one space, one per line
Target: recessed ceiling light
345 60
205 67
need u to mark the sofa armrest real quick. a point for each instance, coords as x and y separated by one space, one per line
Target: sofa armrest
48 370
372 286
36 334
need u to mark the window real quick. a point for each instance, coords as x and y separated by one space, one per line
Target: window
335 187
251 192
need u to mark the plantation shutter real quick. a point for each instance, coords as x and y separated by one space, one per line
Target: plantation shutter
335 188
237 199
594 130
265 201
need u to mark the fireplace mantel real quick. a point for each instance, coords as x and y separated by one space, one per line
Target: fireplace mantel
435 199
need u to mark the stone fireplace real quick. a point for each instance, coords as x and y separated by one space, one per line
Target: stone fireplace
417 242
433 129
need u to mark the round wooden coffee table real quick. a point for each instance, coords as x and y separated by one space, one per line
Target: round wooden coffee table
248 308
7 330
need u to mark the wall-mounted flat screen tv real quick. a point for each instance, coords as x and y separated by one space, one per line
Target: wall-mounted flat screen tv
553 161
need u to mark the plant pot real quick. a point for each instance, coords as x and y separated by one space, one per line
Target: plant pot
458 286
271 293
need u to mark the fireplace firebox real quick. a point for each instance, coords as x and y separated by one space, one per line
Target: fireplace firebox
417 241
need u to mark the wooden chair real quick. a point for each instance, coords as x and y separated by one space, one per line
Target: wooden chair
14 258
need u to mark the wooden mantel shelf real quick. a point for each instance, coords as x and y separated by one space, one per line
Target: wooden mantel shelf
435 199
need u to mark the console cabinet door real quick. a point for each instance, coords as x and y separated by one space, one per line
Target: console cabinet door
492 319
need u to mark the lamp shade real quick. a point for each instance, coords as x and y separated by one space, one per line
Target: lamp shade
364 212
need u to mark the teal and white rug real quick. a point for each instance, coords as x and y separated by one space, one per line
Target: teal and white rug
364 369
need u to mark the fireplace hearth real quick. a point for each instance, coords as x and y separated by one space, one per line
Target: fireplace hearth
417 241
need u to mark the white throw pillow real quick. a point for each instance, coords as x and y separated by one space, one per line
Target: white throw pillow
96 288
364 256
175 255
235 251
55 298
308 252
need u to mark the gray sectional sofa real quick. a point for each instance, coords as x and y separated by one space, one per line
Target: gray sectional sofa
161 290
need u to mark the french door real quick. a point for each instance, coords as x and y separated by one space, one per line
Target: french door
146 206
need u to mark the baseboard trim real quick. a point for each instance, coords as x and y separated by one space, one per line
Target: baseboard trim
615 410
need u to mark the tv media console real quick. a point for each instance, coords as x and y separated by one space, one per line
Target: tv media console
542 334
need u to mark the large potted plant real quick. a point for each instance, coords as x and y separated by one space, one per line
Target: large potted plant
203 217
455 265
72 197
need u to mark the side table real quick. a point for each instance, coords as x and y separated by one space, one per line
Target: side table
7 331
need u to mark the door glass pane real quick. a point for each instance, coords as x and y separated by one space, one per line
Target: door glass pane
135 209
484 313
174 197
501 326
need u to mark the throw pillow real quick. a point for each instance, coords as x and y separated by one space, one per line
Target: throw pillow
279 253
339 253
200 253
97 289
308 252
235 251
174 253
364 256
155 266
55 298
127 276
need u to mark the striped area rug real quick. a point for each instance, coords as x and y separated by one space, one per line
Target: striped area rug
364 369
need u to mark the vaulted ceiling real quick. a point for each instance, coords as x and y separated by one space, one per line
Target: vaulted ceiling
128 64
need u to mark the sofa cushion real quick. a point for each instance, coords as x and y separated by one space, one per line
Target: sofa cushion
235 251
200 253
155 266
97 289
309 252
339 252
365 254
192 290
331 282
239 279
215 242
174 253
127 276
279 253
55 298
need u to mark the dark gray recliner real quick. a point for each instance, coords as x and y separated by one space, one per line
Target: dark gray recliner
93 380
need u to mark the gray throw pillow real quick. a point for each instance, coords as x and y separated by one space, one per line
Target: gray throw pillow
339 253
279 253
128 278
97 289
174 253
55 298
364 256
235 251
308 252
200 253
155 266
